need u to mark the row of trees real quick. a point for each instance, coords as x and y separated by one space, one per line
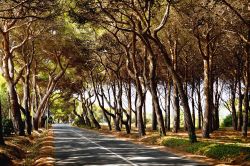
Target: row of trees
190 49
114 52
33 59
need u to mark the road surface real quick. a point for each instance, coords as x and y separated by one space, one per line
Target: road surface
74 146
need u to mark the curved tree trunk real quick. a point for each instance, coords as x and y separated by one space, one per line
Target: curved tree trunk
18 123
183 96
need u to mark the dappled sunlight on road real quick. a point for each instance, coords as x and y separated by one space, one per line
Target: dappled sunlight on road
74 146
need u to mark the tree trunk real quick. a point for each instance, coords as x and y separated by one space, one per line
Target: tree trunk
154 120
18 123
26 97
193 108
145 114
200 115
1 126
216 121
207 114
140 124
246 93
183 96
240 116
129 104
176 122
168 105
233 94
93 119
108 121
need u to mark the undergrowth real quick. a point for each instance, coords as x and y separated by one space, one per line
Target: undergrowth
210 149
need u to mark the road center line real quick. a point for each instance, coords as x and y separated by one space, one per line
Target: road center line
117 155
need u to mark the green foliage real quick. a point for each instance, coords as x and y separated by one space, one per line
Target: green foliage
209 149
221 151
8 127
173 142
78 122
4 97
227 122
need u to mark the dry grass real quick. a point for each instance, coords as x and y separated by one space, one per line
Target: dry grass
36 149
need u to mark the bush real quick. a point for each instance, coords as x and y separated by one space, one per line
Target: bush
209 149
8 127
227 122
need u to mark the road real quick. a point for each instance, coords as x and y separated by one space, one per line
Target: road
74 146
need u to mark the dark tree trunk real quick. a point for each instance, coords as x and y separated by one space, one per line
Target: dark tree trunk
18 123
200 115
145 114
176 122
129 104
183 96
246 93
216 121
154 121
193 106
168 106
211 93
27 101
233 95
1 126
136 99
240 116
93 119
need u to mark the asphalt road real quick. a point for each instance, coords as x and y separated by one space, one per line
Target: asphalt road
74 146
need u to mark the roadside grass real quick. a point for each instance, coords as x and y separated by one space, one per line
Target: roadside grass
219 151
224 146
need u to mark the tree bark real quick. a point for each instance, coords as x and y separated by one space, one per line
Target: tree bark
18 123
246 93
216 122
233 96
200 114
154 120
1 126
240 116
176 122
183 96
207 114
168 106
239 75
193 108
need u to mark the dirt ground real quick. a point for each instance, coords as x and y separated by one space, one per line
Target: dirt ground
36 149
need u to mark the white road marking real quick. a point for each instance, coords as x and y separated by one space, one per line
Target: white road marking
117 155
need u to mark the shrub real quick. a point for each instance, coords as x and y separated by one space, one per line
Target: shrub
209 149
227 122
8 127
175 142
